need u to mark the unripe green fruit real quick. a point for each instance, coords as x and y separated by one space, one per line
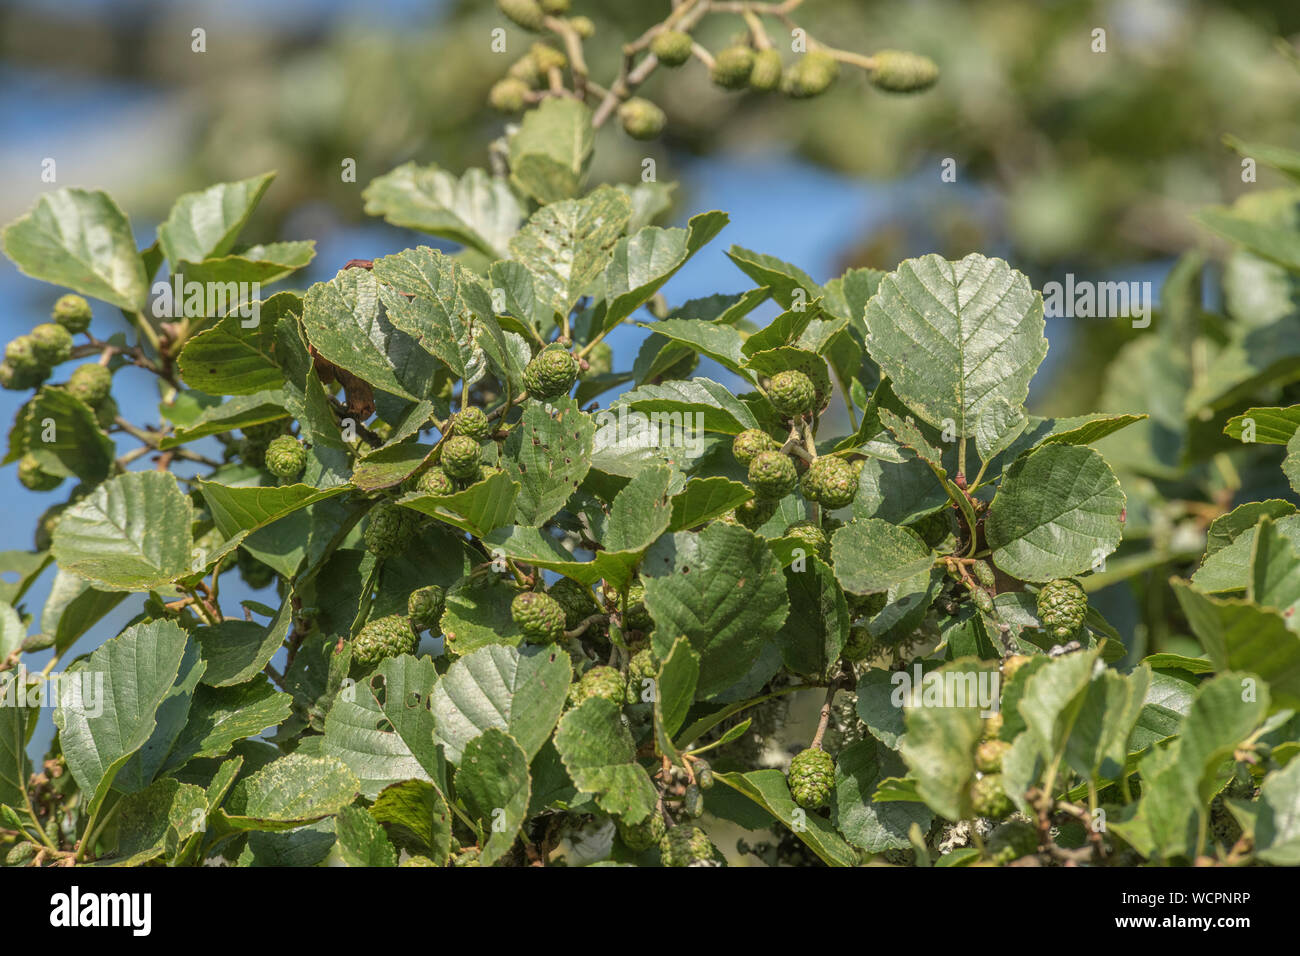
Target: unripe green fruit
527 13
755 513
859 645
45 526
811 777
772 475
417 861
1062 607
35 478
20 854
461 457
601 681
703 773
637 617
435 482
765 76
1011 841
1012 664
585 27
600 361
693 801
982 600
525 69
555 6
898 71
812 536
640 669
811 75
382 638
22 355
508 95
72 312
256 574
671 47
425 605
989 798
732 66
551 373
748 444
792 393
641 119
989 755
286 457
576 600
19 380
992 726
472 422
52 343
831 481
390 529
984 574
641 836
91 383
548 58
685 844
539 616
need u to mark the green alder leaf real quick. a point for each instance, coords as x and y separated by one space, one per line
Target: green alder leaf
998 425
493 780
390 465
262 264
675 686
167 809
65 439
477 613
362 841
954 337
875 827
644 261
715 340
703 499
247 509
1286 160
169 721
237 650
768 789
1291 464
219 716
289 792
568 244
520 691
1238 635
1080 429
640 513
308 845
1052 698
1231 545
233 358
1277 825
781 278
132 533
1271 426
600 757
417 817
547 454
551 149
442 305
479 509
476 210
684 404
1056 513
1275 573
216 417
723 590
15 768
813 635
345 324
871 555
205 224
81 240
103 726
72 608
383 728
1277 242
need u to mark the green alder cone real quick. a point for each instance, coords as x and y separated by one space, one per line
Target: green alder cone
473 423
772 475
671 47
765 75
424 606
286 457
527 13
639 837
831 481
813 536
686 845
555 6
417 861
20 380
525 69
984 574
539 616
390 529
792 393
640 668
20 854
585 27
755 513
508 95
435 481
703 773
601 681
72 312
600 361
750 443
23 356
693 801
811 777
983 600
52 343
641 119
859 645
461 457
732 66
91 383
1012 840
989 755
637 617
382 638
551 373
811 75
989 798
898 71
257 438
548 58
33 477
46 524
1062 607
576 599
106 413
